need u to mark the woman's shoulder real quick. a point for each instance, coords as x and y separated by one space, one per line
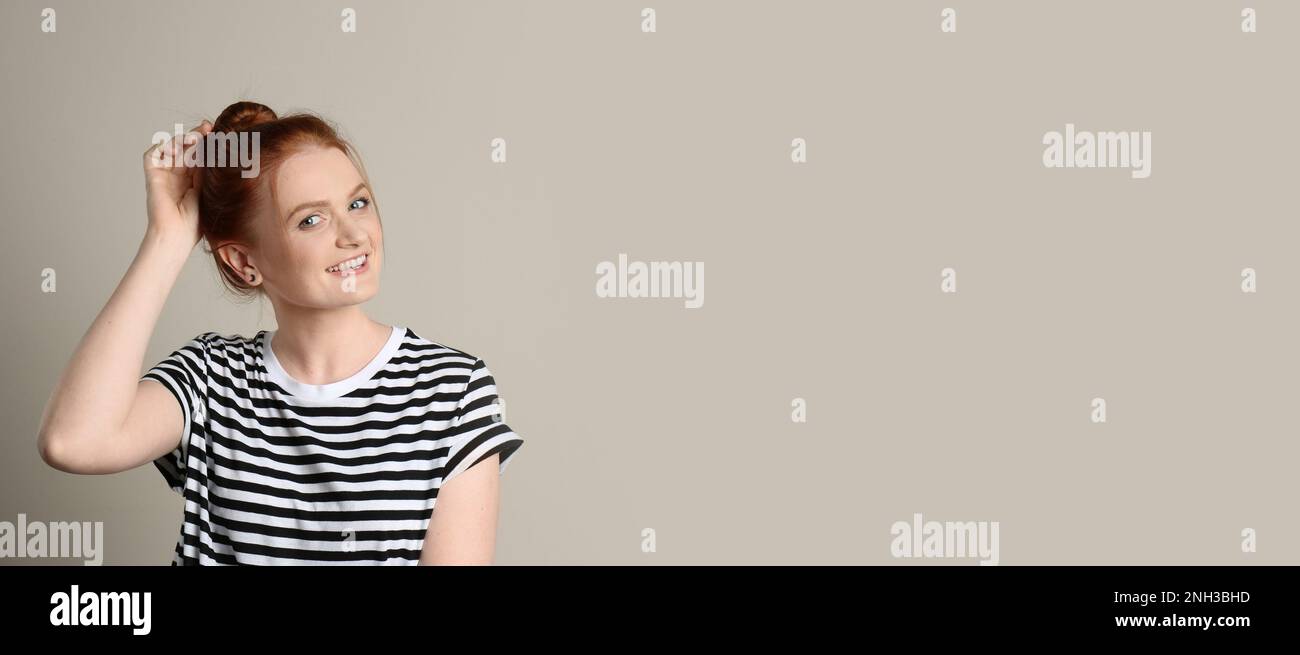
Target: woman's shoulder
222 340
424 346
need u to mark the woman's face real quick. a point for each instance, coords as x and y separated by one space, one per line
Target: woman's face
322 224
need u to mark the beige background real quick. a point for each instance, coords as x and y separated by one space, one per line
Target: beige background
821 279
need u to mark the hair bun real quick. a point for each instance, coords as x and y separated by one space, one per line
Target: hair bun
243 115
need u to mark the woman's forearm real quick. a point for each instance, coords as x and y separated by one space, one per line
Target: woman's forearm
97 387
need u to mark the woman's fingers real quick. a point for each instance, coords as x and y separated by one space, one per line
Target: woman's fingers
192 137
181 146
170 153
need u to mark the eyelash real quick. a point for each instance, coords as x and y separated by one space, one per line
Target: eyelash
365 199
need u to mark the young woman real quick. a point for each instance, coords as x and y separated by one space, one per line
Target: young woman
330 440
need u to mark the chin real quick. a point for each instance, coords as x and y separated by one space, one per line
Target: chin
358 296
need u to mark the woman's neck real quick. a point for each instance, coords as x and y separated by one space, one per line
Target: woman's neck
321 347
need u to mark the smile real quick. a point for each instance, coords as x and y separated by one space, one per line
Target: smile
354 265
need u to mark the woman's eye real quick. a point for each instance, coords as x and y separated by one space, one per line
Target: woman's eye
316 216
364 200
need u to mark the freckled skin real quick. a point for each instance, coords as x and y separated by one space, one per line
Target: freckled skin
294 250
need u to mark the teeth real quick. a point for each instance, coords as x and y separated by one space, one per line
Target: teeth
349 264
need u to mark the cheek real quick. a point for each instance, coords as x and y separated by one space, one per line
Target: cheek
294 264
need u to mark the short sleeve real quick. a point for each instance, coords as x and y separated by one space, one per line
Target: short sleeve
184 374
480 426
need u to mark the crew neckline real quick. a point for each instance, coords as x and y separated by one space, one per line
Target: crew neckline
278 375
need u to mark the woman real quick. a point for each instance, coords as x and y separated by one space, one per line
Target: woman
330 440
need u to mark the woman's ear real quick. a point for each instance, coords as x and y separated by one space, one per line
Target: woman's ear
237 259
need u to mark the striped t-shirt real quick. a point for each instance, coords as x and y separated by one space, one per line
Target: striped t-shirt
275 471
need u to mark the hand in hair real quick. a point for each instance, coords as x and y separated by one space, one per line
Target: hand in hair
172 194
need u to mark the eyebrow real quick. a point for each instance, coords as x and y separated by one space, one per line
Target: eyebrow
318 203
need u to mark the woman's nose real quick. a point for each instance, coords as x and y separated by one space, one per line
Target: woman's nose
350 231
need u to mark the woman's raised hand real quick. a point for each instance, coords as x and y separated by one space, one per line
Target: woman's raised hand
172 190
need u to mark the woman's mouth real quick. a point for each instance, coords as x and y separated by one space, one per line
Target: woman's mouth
354 266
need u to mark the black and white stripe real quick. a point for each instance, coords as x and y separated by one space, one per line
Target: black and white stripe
274 471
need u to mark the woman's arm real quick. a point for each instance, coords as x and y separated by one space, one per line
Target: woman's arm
100 417
463 527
